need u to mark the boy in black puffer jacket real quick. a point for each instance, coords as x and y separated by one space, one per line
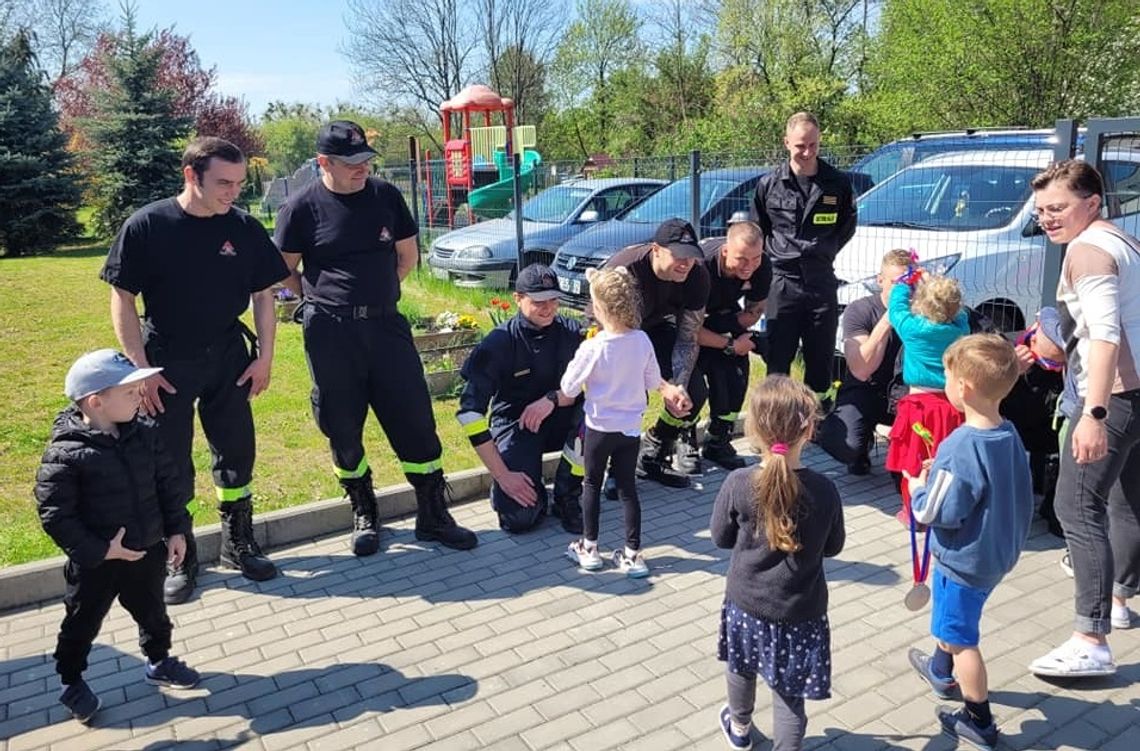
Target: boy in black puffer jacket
114 501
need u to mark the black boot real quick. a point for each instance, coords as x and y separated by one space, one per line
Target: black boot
365 514
656 459
181 579
239 550
433 520
718 446
687 458
567 498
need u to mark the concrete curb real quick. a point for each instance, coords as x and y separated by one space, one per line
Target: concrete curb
30 583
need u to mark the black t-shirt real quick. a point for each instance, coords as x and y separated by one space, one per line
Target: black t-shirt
347 242
195 274
858 319
661 299
725 291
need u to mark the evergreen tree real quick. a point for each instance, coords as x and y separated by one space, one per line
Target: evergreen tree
39 192
133 135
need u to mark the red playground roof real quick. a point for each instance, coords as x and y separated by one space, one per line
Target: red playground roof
477 98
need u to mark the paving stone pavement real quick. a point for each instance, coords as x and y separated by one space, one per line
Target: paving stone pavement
510 647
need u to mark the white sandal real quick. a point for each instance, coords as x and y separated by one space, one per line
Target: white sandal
1071 660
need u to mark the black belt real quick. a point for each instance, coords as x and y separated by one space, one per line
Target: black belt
356 312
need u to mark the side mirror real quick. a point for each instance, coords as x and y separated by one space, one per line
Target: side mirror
589 216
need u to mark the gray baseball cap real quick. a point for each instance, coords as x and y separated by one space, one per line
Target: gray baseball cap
102 369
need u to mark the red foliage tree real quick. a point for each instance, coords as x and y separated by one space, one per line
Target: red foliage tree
181 71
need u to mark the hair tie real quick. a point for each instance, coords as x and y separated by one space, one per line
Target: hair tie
779 448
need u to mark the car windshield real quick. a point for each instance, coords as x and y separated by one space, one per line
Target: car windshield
948 197
674 200
554 205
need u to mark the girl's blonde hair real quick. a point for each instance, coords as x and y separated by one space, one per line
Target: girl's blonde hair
937 298
781 413
616 292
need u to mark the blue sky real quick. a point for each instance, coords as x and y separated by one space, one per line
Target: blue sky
263 50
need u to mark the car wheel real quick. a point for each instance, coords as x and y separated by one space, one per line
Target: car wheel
1004 315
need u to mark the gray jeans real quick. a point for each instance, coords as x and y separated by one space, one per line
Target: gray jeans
1098 505
789 719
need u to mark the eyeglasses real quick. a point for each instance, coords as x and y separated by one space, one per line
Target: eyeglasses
1043 213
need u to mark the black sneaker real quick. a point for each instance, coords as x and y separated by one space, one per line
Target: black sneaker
959 725
81 701
651 469
609 489
859 467
172 673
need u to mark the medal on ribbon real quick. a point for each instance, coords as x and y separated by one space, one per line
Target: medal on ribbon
919 593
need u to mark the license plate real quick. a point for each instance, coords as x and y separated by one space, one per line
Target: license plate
575 286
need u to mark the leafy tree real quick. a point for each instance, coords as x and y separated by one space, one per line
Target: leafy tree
180 72
949 64
289 133
602 40
133 132
520 38
39 192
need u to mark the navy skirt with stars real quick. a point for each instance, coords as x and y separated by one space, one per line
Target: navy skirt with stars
793 658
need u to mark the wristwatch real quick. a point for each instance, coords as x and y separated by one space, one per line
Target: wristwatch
1097 413
552 395
729 349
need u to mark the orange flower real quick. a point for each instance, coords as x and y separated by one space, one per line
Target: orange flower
506 305
495 301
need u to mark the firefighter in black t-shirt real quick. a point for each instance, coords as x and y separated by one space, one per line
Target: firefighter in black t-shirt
197 261
674 287
807 211
355 240
737 269
871 349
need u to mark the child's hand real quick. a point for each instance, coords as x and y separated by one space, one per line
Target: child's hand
914 482
116 551
175 550
676 399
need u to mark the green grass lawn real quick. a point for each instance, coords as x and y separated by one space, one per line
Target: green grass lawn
56 308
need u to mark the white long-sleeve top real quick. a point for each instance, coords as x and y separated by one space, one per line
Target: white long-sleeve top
615 370
1099 294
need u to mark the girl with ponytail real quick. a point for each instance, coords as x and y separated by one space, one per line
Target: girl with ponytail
781 520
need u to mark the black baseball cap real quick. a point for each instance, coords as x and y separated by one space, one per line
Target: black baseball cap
538 283
679 237
345 140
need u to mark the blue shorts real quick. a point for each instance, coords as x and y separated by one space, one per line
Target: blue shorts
956 612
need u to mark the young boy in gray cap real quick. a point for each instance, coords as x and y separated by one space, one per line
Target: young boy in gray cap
114 501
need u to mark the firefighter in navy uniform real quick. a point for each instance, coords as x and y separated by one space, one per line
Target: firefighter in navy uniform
737 269
674 286
515 371
806 209
355 240
198 261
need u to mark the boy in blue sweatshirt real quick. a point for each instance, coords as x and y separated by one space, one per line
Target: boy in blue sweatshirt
977 498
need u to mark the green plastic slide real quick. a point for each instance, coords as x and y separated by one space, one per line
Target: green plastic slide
494 201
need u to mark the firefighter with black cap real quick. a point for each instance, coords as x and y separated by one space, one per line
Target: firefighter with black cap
806 208
355 240
674 287
198 261
738 269
515 371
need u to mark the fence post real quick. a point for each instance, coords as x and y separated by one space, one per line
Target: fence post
413 172
636 167
695 190
516 184
672 167
1051 273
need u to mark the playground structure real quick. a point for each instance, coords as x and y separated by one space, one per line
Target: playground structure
477 162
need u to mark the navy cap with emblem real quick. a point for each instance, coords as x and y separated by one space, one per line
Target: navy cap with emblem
538 283
344 140
679 237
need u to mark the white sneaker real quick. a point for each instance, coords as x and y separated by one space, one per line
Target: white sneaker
1066 564
1121 616
1073 659
635 567
587 558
